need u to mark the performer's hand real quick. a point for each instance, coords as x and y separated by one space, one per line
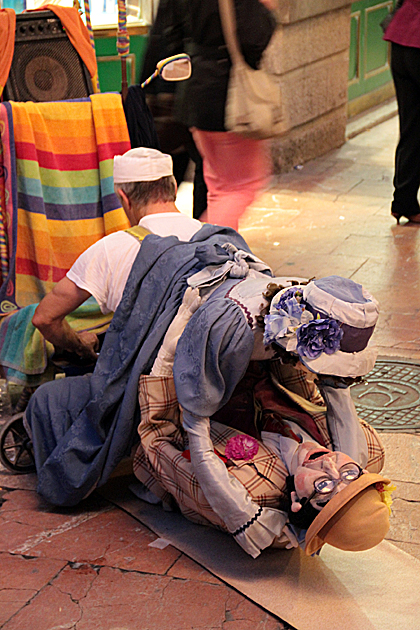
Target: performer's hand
89 345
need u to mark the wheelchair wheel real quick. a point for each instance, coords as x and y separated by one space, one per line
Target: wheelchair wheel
16 452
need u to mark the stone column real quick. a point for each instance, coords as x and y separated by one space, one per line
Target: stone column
310 54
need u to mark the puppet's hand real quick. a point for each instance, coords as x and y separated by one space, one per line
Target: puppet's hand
190 303
287 539
165 358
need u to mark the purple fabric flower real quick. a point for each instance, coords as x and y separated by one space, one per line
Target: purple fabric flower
288 302
284 315
275 326
318 336
241 447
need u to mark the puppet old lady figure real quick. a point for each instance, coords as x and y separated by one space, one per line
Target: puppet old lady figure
245 497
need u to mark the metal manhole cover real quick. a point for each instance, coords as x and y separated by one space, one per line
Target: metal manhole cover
389 396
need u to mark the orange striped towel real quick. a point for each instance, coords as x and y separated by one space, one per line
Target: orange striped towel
65 197
7 43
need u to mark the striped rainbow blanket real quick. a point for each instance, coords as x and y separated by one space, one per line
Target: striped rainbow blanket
56 199
56 189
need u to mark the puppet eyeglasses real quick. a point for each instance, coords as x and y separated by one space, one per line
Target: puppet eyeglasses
325 485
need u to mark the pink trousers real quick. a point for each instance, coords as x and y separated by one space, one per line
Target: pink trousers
235 169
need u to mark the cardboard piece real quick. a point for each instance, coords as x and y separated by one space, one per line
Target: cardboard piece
368 590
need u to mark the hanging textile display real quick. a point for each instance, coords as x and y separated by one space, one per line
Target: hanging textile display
76 5
92 40
123 45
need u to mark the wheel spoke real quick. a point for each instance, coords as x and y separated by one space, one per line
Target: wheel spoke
17 434
21 452
11 446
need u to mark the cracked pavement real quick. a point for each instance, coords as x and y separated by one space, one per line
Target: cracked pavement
91 567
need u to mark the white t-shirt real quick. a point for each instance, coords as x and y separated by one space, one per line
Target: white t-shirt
103 269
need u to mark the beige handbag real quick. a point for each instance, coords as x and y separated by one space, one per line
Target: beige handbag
253 106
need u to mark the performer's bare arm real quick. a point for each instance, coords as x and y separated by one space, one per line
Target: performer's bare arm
49 318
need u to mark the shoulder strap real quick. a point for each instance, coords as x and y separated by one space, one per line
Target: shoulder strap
228 20
138 232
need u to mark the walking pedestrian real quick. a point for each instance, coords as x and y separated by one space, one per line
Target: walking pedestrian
404 34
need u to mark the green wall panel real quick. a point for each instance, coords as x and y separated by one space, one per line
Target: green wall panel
376 50
369 53
110 70
354 49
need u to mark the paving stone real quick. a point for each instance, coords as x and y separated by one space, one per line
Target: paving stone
199 605
405 522
369 246
267 623
120 600
318 265
11 601
26 520
14 535
402 461
20 499
76 580
26 507
411 548
21 482
187 569
31 573
407 491
21 579
111 538
242 611
49 610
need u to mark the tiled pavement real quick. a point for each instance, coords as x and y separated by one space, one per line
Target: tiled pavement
333 216
92 567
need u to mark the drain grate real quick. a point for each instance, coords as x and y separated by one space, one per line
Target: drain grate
389 397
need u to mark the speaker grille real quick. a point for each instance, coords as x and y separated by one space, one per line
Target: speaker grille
45 66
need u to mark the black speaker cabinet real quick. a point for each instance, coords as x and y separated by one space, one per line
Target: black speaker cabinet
45 66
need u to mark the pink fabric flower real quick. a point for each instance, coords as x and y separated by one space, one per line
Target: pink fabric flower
241 447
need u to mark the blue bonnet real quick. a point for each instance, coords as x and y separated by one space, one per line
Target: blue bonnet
328 323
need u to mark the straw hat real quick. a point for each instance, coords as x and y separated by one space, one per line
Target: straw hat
355 519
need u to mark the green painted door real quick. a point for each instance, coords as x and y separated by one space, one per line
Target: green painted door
369 53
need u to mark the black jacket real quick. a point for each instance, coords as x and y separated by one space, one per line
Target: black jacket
195 24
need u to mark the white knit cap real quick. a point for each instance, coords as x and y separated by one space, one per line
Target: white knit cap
141 165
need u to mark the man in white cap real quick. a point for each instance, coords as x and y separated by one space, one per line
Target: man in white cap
144 182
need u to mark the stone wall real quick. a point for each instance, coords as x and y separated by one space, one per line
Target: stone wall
309 53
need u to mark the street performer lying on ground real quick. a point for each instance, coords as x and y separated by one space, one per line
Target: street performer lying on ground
82 427
276 481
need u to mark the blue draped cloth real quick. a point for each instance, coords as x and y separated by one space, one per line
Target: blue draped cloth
83 426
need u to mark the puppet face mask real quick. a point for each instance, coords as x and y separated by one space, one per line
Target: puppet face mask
320 473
